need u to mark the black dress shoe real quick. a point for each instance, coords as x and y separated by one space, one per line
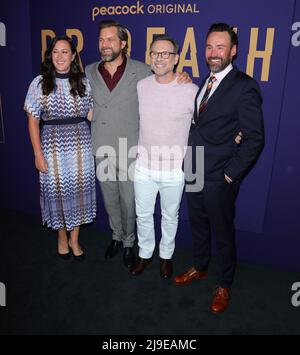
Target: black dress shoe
112 249
128 257
139 266
166 268
79 257
64 256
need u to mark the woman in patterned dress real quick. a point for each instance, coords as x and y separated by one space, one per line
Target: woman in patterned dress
61 98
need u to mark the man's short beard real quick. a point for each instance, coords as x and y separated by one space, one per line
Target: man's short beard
217 69
110 58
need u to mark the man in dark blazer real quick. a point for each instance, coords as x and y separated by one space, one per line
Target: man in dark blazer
229 101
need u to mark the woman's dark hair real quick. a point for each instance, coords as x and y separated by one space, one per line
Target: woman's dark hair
48 70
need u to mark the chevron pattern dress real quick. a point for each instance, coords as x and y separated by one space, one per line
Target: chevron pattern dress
67 190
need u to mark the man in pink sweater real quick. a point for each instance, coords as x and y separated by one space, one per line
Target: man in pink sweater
166 110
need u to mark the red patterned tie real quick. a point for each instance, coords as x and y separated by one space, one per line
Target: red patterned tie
204 100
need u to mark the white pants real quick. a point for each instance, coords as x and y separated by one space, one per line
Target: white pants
147 184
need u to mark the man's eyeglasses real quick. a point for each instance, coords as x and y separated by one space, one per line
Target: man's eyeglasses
164 55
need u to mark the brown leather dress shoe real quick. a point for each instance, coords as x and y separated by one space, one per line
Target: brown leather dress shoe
189 276
139 266
166 268
220 300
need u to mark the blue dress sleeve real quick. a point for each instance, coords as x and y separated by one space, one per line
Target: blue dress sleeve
33 102
89 94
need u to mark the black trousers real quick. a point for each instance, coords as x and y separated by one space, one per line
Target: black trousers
213 210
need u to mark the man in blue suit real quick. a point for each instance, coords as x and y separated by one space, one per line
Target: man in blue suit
229 101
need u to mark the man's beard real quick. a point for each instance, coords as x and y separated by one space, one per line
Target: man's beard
217 67
109 57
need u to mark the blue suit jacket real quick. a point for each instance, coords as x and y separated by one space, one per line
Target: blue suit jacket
236 105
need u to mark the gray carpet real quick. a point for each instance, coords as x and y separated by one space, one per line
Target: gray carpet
47 295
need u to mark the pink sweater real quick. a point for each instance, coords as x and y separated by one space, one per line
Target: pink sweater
166 112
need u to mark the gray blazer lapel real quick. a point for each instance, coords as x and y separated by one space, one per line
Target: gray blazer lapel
102 88
127 77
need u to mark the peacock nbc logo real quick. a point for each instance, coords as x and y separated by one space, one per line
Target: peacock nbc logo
2 35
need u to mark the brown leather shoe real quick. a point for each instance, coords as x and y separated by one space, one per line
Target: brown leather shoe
139 266
189 276
166 268
220 299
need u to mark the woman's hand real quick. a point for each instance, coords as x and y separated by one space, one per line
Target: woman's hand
90 115
40 162
34 132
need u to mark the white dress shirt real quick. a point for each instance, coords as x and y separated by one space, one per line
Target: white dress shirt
219 77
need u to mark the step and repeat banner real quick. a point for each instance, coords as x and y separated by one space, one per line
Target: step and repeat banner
263 52
268 32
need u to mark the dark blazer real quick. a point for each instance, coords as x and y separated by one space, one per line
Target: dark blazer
235 105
